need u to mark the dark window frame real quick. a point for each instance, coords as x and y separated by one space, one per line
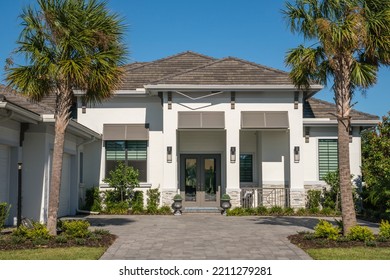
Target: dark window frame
244 178
327 157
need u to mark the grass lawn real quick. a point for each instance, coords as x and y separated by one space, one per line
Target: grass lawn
70 253
354 253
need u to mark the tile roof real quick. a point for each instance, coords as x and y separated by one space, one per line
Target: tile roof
229 71
22 101
140 74
316 108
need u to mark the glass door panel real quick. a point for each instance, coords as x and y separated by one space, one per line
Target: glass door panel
209 185
190 179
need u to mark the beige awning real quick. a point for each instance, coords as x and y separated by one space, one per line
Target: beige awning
197 120
126 132
264 120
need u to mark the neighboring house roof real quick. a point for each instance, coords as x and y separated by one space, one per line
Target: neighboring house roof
22 101
136 76
229 71
316 108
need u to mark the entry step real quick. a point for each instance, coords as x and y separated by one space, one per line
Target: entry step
202 210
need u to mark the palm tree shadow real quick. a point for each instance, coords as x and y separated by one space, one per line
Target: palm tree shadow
305 222
109 221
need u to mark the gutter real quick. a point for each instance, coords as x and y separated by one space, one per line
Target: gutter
329 122
30 116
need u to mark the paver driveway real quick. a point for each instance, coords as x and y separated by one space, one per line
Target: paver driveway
203 236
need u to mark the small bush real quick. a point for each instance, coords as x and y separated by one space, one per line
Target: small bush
360 233
261 210
165 210
384 229
118 208
370 243
18 239
313 199
101 232
276 210
153 201
76 228
289 211
93 200
80 241
238 211
61 239
137 203
382 239
309 236
327 211
301 212
40 241
95 237
314 210
39 231
325 229
4 211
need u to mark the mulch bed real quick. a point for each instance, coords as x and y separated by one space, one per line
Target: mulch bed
301 241
105 240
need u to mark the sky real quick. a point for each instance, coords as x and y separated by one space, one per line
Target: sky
253 30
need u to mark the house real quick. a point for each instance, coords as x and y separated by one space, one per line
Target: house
26 147
189 123
203 126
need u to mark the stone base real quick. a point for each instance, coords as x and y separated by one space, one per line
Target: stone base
167 197
297 199
234 197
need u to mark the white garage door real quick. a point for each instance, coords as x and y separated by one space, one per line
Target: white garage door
4 173
64 207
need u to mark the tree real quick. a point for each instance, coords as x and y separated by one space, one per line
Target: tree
376 165
351 41
68 45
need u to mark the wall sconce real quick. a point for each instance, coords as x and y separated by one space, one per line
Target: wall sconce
169 154
232 154
307 134
296 154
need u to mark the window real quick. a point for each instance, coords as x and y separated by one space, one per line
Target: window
246 168
327 156
131 153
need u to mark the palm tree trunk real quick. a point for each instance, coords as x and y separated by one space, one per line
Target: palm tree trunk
342 89
64 102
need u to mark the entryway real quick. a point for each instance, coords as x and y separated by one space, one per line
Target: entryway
200 179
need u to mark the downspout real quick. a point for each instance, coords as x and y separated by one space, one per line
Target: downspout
89 141
23 129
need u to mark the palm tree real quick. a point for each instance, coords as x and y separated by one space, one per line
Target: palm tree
351 41
68 44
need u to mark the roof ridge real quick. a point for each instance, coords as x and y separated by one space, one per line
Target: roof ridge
170 57
333 104
219 61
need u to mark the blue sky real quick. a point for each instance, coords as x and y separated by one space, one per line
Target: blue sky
248 29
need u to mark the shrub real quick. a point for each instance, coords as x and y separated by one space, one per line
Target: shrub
119 208
225 196
289 211
360 233
17 239
384 229
238 211
332 195
92 199
314 210
301 212
76 228
153 201
101 232
313 199
40 241
276 210
165 210
261 210
61 239
4 211
327 211
80 241
137 203
325 229
38 231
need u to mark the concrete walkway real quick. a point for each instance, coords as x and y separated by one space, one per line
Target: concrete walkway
203 236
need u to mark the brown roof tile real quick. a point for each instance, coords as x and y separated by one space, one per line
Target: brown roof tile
316 108
229 71
136 76
22 101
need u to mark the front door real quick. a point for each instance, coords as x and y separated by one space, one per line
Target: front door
200 180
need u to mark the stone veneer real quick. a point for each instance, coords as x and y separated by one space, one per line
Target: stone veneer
234 197
167 197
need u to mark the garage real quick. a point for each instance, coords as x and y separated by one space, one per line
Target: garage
4 173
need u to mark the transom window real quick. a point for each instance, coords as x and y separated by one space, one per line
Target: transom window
327 156
246 168
131 153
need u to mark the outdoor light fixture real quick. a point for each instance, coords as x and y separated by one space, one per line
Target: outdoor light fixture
83 107
296 154
232 154
169 154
